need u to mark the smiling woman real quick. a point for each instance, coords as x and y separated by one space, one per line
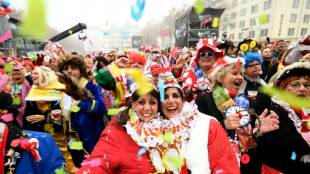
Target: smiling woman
227 81
19 88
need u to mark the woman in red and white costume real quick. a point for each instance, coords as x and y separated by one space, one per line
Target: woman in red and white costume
204 141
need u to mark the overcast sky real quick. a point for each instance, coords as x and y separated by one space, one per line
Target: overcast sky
63 14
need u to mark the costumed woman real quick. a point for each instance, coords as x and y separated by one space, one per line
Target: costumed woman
19 88
231 110
41 102
203 140
288 148
197 78
122 145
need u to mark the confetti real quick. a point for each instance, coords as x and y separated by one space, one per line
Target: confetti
34 22
263 19
8 67
215 22
75 108
168 137
113 111
92 163
60 171
161 89
70 32
219 171
292 100
140 4
138 78
176 160
199 8
293 157
76 145
141 151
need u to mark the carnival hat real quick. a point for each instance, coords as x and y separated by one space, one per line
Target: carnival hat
247 39
226 61
295 69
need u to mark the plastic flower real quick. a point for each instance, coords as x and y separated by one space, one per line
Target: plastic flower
252 44
244 47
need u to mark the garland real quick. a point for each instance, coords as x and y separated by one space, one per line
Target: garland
15 90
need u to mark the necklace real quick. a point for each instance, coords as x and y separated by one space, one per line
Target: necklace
15 90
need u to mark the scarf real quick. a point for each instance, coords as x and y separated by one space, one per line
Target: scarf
222 101
46 93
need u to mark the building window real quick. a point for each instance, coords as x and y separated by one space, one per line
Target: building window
233 15
252 34
252 22
295 3
290 31
293 18
242 24
267 4
303 31
232 36
268 18
234 4
232 26
241 35
254 8
243 12
225 28
308 4
306 18
264 32
243 1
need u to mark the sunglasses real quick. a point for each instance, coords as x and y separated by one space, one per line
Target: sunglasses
210 54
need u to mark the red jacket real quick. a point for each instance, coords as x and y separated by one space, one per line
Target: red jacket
118 153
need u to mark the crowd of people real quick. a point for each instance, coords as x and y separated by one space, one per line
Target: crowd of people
202 109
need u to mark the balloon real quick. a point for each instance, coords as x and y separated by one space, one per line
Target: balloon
5 4
2 13
8 10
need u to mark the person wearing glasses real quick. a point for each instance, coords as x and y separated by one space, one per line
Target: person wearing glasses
197 78
252 81
288 148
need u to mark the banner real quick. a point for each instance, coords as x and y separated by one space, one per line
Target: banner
181 30
136 41
190 27
203 33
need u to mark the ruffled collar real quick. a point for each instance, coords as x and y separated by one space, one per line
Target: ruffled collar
291 113
145 134
181 125
255 80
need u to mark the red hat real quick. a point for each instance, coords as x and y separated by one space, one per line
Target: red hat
28 63
207 43
137 58
28 58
